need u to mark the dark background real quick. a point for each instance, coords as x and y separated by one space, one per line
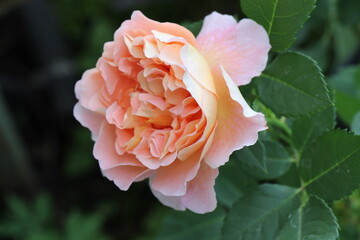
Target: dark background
50 183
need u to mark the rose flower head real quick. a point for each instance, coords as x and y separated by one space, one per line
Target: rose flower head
164 105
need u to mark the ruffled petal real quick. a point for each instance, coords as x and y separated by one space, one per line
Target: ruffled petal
105 150
124 176
172 180
200 196
241 48
199 82
238 125
140 25
88 90
91 120
170 201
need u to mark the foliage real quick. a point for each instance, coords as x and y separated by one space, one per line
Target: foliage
35 221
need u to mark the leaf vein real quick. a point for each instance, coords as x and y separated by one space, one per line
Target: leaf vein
273 16
291 86
331 168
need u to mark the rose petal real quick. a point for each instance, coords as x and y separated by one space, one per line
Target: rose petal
87 90
89 119
199 82
124 176
110 74
241 48
238 125
108 52
172 180
139 25
200 196
197 67
105 150
170 201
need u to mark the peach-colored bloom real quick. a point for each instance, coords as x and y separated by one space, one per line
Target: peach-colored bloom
165 106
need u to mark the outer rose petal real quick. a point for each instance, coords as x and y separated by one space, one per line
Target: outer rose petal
241 48
238 124
124 176
105 151
172 180
87 90
89 119
170 201
200 196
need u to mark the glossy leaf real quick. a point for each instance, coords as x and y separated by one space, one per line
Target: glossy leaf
314 221
188 225
293 85
306 128
232 183
277 162
280 18
330 166
291 177
261 214
254 156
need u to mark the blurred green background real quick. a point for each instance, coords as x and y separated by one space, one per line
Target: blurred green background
50 184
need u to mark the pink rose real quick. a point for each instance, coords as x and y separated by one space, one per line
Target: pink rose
165 106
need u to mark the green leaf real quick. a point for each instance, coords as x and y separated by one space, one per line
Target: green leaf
307 128
291 177
280 18
355 124
315 221
253 156
330 165
277 162
232 183
293 85
261 214
188 225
